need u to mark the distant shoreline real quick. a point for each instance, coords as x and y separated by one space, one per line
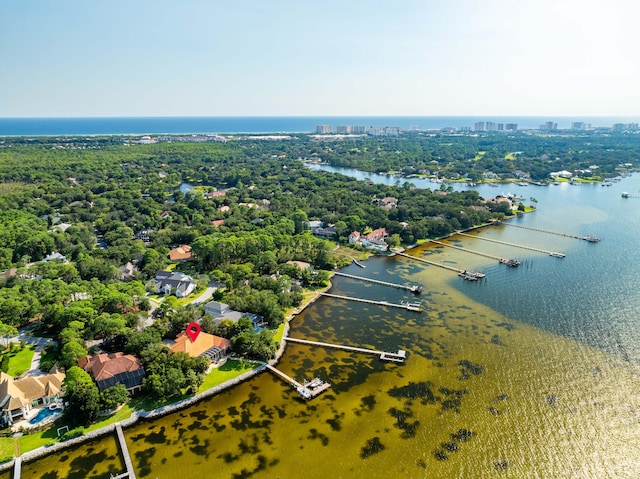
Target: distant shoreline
185 125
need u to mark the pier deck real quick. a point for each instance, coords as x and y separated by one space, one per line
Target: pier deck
125 454
400 356
417 307
409 287
591 239
308 390
468 275
530 248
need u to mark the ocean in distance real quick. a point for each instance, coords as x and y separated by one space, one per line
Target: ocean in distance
265 124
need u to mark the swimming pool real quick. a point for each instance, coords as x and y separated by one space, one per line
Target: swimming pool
43 414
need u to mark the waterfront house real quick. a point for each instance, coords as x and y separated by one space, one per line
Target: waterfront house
205 344
176 283
19 396
110 369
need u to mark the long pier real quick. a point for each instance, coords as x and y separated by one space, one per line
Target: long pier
408 287
308 390
531 248
17 467
125 454
399 357
408 306
591 239
463 273
486 255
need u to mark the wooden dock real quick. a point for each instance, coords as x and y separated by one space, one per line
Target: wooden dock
417 307
508 262
308 390
530 248
125 454
414 288
399 357
590 239
17 467
468 275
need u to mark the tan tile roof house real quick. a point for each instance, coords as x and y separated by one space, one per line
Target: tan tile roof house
112 368
18 396
181 253
214 347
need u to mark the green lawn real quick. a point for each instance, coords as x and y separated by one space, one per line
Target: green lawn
19 361
229 370
7 448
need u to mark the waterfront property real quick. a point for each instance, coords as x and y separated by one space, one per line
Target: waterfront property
113 368
213 347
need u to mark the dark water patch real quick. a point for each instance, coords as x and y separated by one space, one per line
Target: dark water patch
373 446
493 410
196 425
50 475
421 390
203 449
228 457
440 455
449 446
245 474
143 459
467 368
199 414
408 428
178 454
507 326
152 437
452 399
501 397
551 399
323 438
495 339
245 423
501 465
81 466
462 435
367 403
334 422
421 464
232 411
218 427
64 458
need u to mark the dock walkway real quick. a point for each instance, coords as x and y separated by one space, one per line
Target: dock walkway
17 468
531 248
591 239
400 356
413 288
479 253
125 454
466 274
417 307
308 390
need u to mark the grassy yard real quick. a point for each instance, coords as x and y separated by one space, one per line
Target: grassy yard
19 360
7 448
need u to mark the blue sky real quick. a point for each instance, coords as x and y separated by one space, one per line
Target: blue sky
251 57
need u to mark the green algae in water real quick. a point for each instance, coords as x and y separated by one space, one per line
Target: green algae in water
94 459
